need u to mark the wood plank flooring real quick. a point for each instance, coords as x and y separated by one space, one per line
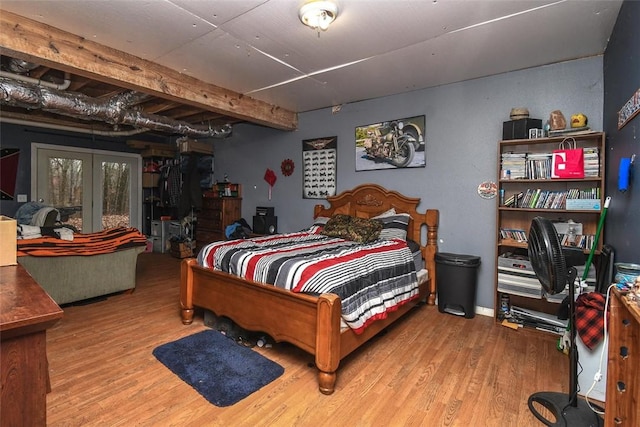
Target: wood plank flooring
430 369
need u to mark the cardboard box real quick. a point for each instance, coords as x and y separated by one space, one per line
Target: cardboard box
169 152
584 204
150 180
8 244
192 146
519 129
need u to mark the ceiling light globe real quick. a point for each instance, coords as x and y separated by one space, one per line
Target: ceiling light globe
318 14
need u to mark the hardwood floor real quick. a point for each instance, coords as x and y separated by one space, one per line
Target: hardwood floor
429 369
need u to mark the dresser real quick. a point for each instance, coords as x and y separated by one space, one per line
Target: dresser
623 368
26 312
217 213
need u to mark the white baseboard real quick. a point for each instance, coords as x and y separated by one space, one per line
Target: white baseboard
484 311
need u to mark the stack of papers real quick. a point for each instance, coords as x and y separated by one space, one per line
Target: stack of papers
516 164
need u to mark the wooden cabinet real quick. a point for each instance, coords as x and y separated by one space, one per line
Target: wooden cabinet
217 213
26 312
623 380
529 164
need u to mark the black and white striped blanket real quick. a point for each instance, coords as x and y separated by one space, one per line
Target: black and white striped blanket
371 279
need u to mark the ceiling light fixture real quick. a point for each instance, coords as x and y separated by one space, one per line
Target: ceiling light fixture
318 14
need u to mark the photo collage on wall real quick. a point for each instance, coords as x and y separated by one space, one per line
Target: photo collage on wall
319 156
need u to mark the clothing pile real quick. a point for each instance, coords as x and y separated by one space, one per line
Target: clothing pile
34 232
36 220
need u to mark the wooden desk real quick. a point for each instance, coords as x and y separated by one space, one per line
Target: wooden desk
26 312
623 368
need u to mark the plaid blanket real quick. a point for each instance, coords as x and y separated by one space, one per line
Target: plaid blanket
590 311
101 242
371 279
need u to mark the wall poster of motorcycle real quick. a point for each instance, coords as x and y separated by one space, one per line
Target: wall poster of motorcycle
391 144
319 156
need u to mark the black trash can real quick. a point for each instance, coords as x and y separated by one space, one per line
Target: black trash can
456 282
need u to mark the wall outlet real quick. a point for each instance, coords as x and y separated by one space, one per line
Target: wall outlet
22 198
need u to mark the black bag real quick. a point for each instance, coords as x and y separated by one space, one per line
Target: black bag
240 231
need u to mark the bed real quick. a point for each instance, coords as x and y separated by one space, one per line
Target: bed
314 322
91 265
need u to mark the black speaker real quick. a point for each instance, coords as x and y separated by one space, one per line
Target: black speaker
265 224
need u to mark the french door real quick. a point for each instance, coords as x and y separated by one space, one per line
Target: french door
92 189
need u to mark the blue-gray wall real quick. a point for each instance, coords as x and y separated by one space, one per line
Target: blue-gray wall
463 127
622 80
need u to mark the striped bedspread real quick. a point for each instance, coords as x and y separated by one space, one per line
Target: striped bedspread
371 279
101 242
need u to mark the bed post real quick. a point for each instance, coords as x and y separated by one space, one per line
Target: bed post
186 290
432 217
328 341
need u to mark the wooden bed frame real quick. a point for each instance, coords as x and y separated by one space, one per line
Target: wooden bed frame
313 323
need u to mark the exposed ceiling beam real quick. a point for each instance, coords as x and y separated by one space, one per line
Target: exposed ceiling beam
32 41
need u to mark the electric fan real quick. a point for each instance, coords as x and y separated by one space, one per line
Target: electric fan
554 267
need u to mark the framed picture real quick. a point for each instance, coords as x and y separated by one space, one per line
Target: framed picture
319 159
392 144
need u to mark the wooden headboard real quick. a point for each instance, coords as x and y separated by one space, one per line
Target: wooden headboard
369 200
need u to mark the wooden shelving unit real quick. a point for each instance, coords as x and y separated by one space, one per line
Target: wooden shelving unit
519 218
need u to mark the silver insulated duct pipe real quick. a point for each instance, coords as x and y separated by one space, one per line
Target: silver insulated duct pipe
116 110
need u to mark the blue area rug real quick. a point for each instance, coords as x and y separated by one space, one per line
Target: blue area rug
221 370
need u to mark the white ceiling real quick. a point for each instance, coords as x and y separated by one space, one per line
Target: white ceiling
374 48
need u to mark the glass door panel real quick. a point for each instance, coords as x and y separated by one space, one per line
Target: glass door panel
116 180
92 189
62 180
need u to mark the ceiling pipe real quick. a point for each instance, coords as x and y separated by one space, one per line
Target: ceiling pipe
52 126
62 86
115 110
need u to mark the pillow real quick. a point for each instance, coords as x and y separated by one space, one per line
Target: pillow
390 212
351 228
318 224
394 226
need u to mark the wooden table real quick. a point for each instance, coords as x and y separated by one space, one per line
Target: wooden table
623 369
26 312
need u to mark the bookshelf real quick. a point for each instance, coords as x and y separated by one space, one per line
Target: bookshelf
527 190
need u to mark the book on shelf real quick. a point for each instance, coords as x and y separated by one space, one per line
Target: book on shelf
585 130
581 241
587 193
538 165
513 234
585 199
